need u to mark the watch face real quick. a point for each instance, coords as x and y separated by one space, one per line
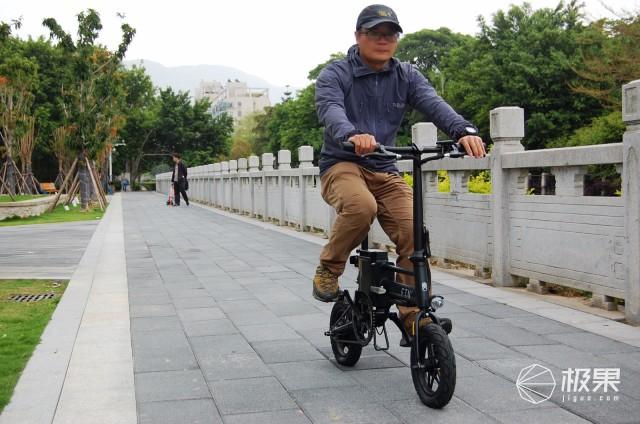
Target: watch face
471 130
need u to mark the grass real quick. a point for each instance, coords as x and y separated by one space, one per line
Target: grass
21 325
57 215
5 198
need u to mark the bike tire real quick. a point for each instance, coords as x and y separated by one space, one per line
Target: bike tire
346 354
434 344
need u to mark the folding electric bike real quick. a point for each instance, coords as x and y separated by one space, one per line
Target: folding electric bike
354 322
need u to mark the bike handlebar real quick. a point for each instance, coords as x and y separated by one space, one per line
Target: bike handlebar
442 149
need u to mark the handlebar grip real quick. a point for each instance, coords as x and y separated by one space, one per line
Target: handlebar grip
457 151
348 146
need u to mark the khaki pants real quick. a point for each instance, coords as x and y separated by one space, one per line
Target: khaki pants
359 196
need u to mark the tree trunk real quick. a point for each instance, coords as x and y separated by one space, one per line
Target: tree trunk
85 182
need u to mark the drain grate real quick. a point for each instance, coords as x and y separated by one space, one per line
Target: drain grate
31 297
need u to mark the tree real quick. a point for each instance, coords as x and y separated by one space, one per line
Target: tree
142 118
91 104
524 58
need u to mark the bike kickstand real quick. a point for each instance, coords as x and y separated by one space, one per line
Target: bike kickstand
375 339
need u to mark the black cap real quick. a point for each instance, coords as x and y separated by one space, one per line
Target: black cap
377 14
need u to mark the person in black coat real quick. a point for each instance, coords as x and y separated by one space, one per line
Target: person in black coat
179 179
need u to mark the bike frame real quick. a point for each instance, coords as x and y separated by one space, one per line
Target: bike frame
396 292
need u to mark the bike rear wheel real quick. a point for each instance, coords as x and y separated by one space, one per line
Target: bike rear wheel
346 354
433 367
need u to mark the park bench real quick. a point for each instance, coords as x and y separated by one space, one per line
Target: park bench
49 188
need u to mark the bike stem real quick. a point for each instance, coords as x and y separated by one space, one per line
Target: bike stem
422 283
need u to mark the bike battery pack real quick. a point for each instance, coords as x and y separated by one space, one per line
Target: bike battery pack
372 272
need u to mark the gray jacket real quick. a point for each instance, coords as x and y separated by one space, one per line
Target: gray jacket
352 99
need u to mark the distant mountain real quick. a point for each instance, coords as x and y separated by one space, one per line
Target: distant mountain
187 78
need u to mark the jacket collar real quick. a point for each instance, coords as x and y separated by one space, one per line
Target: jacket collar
360 68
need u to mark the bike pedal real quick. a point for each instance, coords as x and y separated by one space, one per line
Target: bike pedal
404 342
446 325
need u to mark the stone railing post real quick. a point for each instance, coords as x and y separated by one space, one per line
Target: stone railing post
233 184
459 181
225 183
267 165
284 163
242 165
569 180
507 131
631 195
305 157
425 134
254 163
217 182
242 171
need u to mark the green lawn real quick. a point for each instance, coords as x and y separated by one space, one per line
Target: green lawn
58 215
21 325
5 197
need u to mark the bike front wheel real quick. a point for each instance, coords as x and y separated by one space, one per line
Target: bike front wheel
433 367
346 354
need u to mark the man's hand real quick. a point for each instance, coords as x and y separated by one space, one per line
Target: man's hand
473 145
364 143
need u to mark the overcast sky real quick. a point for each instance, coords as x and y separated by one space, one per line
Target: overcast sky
279 41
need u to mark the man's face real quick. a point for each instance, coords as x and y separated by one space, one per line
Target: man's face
175 159
378 44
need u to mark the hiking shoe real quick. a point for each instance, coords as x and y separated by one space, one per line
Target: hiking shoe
409 321
325 285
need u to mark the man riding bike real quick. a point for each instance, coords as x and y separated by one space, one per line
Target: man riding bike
363 99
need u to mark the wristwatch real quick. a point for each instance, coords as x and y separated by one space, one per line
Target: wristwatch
467 131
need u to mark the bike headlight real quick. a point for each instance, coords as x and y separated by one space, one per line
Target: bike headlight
437 302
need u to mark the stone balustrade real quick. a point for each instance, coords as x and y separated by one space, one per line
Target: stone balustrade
585 242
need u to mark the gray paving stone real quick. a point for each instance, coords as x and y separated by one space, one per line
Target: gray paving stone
539 325
249 317
464 299
294 308
311 374
589 342
491 393
186 292
536 416
200 314
499 310
155 299
155 323
220 345
139 311
194 302
513 336
170 385
192 411
479 348
162 350
214 327
348 405
258 333
412 411
387 384
251 395
235 366
278 351
561 356
293 416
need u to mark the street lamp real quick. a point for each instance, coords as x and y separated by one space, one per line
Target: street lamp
121 143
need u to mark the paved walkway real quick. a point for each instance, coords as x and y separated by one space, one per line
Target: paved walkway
223 329
50 251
